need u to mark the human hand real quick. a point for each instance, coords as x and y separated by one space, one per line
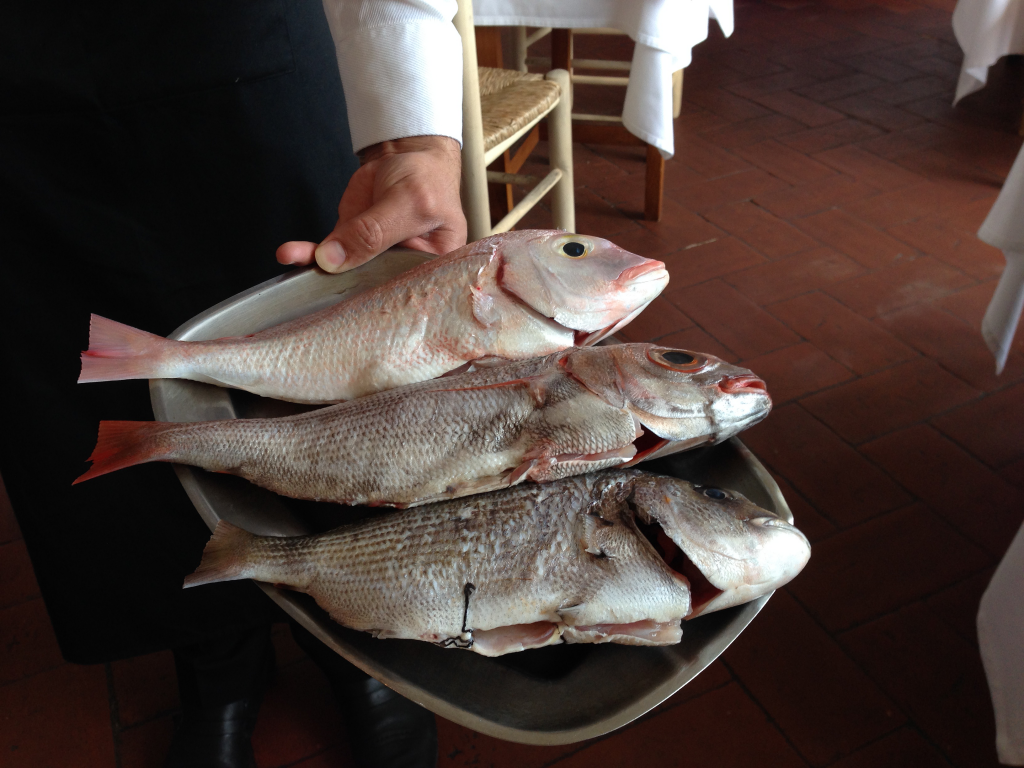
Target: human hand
407 192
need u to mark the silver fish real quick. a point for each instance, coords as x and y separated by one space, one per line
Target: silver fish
566 414
514 296
578 561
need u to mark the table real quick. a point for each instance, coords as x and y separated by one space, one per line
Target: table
665 32
987 30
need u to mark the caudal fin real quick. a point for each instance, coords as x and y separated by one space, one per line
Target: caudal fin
225 557
123 444
117 351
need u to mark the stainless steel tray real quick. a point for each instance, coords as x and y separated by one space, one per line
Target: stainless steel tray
554 695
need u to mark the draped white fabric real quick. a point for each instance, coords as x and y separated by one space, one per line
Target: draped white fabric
665 32
1001 638
1004 228
987 30
1001 615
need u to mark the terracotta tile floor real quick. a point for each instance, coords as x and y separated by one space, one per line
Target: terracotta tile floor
819 226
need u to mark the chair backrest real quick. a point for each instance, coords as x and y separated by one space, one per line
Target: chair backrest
474 171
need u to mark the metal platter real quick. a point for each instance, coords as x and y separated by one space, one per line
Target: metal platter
555 695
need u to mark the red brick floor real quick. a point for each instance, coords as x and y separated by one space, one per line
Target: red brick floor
819 226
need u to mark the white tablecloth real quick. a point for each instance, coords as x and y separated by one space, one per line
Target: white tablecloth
1004 228
665 32
1001 615
987 30
1001 638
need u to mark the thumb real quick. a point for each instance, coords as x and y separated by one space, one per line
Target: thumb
356 241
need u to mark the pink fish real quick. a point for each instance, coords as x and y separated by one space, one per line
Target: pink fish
516 296
569 413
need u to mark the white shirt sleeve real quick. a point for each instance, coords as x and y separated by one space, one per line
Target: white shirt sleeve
401 67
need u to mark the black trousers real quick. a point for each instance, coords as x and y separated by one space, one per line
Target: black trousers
153 155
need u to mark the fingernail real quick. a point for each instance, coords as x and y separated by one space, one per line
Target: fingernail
330 255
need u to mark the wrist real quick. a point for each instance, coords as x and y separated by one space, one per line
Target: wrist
408 144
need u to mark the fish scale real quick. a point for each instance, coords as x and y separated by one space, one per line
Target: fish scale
515 296
489 428
526 566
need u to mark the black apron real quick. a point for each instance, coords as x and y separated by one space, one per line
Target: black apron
153 155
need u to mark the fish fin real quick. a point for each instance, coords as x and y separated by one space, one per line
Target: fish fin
224 558
483 308
123 444
646 632
515 637
491 361
488 361
568 464
569 613
465 488
117 351
519 474
536 386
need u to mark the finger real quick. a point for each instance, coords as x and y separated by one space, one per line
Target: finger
390 221
439 241
297 252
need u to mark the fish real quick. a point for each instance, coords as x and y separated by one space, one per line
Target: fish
572 412
513 296
618 556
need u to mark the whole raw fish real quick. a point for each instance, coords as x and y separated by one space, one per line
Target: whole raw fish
515 296
572 412
619 556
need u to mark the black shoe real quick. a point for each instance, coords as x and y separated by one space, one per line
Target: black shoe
235 667
386 729
215 737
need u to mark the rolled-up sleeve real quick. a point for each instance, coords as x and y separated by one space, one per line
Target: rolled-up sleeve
401 67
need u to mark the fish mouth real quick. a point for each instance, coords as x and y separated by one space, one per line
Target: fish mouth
735 385
649 272
702 591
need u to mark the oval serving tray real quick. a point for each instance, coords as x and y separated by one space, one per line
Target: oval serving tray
554 695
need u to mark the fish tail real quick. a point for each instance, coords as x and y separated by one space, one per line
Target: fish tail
225 557
124 444
117 351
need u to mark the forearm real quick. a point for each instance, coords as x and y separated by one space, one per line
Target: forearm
401 68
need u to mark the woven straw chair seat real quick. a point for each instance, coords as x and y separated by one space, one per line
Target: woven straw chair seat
510 100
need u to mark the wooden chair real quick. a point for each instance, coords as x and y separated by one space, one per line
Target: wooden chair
499 108
602 129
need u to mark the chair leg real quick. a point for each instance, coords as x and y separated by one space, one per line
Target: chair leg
474 172
654 187
563 200
519 48
677 93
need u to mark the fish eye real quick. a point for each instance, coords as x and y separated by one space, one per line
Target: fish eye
574 246
677 359
715 493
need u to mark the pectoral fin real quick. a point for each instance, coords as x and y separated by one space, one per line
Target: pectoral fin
570 464
483 308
